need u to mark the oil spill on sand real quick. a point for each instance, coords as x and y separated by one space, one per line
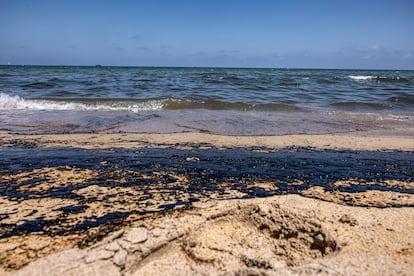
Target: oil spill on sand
64 194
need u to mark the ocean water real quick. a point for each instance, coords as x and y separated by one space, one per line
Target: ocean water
232 101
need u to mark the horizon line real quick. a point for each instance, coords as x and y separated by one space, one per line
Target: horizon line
206 67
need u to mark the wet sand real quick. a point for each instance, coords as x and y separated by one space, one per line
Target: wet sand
355 141
195 203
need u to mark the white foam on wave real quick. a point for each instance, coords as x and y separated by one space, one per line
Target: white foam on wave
9 102
362 78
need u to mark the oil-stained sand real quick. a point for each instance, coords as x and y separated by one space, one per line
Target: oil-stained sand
60 192
279 235
55 198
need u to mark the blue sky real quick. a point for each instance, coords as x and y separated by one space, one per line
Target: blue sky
255 33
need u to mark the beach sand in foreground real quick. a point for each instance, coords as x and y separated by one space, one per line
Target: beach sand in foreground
86 214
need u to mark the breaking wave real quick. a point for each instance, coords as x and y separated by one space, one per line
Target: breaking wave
379 78
9 102
362 78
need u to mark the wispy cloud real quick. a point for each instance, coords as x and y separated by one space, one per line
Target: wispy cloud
135 37
375 51
198 54
142 48
227 52
407 56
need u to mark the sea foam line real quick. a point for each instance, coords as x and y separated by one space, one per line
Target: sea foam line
10 102
361 78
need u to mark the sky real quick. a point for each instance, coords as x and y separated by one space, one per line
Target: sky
353 34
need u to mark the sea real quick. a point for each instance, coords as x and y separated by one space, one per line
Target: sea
227 101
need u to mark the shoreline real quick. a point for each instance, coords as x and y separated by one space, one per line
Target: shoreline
138 204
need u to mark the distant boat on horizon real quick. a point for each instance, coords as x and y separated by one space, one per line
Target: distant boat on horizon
98 65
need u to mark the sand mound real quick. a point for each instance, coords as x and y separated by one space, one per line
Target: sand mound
259 236
276 236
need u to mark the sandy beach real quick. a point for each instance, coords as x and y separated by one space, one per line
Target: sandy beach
363 141
131 213
206 138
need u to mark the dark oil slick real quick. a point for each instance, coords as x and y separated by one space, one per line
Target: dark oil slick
158 179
